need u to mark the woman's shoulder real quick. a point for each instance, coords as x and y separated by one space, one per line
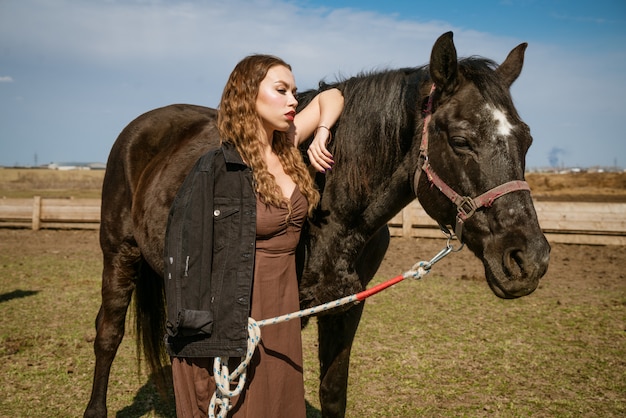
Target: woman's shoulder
226 149
225 156
231 155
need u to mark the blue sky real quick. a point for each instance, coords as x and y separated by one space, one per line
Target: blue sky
74 73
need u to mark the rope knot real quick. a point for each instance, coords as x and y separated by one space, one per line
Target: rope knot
224 380
418 270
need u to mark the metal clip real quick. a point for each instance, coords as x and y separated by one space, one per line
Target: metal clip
441 254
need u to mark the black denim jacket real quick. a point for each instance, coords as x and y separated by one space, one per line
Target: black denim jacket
209 258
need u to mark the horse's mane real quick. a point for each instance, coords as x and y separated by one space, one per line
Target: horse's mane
382 118
379 118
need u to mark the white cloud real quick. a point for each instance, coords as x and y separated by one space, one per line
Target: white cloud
6 79
218 34
139 54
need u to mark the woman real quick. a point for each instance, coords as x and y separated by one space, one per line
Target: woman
259 192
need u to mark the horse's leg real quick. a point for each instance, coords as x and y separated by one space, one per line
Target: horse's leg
120 269
336 333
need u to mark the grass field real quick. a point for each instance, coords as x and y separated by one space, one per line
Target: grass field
19 183
440 347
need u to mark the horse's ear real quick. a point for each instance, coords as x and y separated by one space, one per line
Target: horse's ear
511 68
443 64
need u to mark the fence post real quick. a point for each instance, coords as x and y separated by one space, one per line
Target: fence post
407 223
36 213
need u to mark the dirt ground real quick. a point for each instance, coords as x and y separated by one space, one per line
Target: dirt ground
568 263
572 264
576 272
584 186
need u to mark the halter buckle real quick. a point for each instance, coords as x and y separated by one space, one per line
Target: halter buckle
466 207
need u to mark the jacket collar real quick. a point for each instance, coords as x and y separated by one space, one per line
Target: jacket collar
231 155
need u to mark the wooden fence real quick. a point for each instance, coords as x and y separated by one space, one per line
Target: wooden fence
565 222
39 213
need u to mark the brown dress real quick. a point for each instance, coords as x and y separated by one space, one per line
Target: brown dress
275 386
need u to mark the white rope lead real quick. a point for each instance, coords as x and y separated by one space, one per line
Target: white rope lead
221 399
224 380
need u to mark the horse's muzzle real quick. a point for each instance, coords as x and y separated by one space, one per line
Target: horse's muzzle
518 271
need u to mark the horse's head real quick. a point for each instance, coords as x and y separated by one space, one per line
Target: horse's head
476 142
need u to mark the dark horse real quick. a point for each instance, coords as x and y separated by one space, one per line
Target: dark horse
476 143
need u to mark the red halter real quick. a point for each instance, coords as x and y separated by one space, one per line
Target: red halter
466 206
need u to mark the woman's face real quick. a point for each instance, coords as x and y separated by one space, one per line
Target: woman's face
276 102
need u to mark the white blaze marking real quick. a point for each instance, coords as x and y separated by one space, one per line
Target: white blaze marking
504 126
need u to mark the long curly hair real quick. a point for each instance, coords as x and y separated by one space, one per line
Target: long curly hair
238 123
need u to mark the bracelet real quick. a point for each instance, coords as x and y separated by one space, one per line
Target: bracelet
330 134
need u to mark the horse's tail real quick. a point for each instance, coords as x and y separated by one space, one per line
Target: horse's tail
150 316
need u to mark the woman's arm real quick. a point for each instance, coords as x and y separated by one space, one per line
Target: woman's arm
317 118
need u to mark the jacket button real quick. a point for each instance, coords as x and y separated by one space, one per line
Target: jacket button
216 212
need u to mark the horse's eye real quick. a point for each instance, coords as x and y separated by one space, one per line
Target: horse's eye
460 144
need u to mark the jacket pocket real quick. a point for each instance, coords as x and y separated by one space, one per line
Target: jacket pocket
191 322
226 221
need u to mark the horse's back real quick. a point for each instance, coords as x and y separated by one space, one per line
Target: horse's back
147 164
155 135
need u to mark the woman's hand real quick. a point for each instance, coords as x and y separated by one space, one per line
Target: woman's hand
318 117
321 159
